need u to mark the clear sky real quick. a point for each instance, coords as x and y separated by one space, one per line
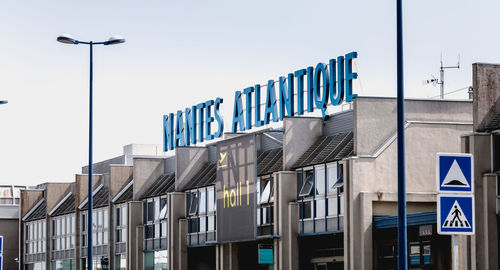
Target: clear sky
180 53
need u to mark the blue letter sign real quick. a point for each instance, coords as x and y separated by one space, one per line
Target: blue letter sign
320 84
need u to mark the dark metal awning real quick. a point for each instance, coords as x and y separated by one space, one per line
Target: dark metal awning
384 222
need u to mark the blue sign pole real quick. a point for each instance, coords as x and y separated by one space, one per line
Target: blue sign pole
90 204
402 250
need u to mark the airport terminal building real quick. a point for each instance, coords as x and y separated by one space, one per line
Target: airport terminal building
314 193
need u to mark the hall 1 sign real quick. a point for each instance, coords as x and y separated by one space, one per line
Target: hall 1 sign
235 189
323 85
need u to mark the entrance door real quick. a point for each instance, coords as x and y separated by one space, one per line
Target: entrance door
419 255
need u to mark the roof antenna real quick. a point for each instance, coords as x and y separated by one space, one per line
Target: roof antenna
440 81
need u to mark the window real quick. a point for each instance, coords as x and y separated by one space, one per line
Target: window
265 193
307 184
211 199
203 201
164 208
100 227
193 205
320 180
34 236
121 223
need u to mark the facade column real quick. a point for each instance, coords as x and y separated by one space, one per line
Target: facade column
176 211
134 219
286 220
227 256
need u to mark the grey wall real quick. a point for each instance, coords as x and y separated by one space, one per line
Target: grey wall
9 229
146 171
189 160
299 134
486 85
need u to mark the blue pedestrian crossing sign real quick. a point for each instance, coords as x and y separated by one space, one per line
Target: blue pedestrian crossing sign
455 214
455 173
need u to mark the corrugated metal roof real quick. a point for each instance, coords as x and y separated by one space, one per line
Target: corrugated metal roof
127 195
68 206
326 149
39 212
101 198
163 185
207 175
270 161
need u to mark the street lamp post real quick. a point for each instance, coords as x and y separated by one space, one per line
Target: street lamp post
67 39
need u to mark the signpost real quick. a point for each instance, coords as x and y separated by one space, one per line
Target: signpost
1 252
455 204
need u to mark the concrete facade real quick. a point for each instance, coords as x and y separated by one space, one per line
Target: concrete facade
365 188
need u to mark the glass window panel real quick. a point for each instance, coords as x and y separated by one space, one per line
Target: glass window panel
35 231
72 240
157 208
193 207
105 219
203 201
203 224
306 210
94 219
164 209
124 215
73 224
84 223
211 223
332 178
118 236
342 202
40 230
332 206
68 225
105 238
266 192
163 229
157 230
99 218
5 192
124 235
150 211
320 208
118 220
63 242
94 237
211 199
63 226
320 180
307 185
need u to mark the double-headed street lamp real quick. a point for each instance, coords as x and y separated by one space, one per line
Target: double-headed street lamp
111 41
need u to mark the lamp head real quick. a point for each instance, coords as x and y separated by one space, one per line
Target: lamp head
114 40
3 102
68 39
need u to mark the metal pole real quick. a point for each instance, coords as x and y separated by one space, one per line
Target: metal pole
441 81
402 250
455 252
91 178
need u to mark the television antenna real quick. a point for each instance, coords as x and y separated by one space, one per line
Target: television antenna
434 81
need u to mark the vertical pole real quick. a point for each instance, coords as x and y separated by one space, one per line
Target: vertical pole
402 250
90 226
441 81
455 252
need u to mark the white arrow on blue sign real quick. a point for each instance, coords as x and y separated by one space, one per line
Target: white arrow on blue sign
455 214
455 173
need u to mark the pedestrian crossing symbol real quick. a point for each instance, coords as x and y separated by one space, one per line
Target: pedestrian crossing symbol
456 214
454 173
